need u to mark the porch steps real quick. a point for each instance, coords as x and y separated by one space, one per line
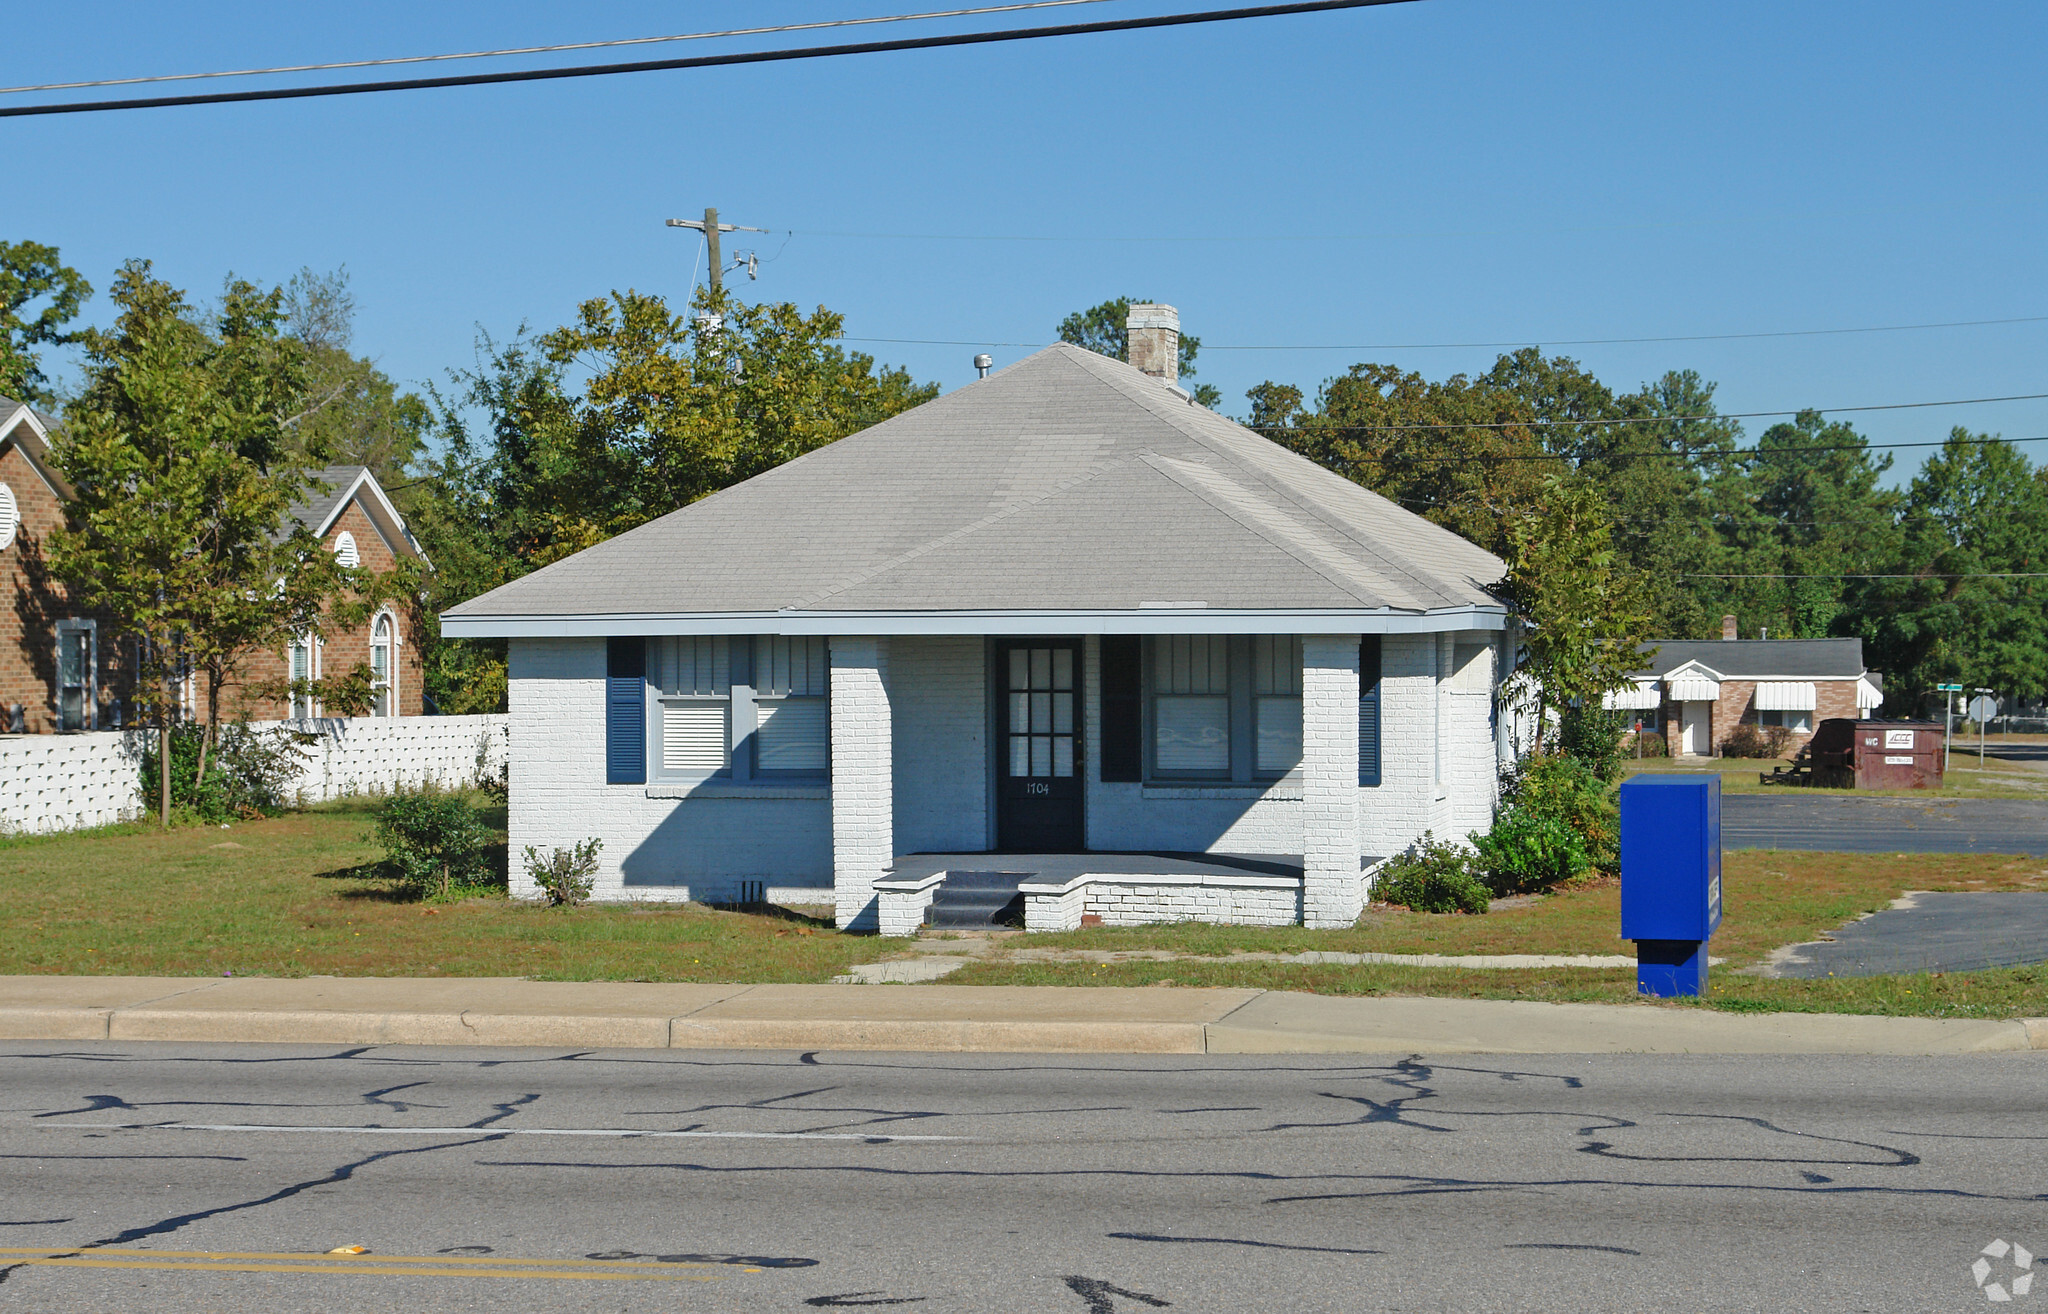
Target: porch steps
978 898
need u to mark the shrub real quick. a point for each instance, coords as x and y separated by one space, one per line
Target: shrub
1558 820
1435 876
432 842
1562 788
1593 735
1652 744
247 770
1527 850
565 875
1748 740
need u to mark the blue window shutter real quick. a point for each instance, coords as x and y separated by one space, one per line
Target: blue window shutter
1123 719
625 712
1369 709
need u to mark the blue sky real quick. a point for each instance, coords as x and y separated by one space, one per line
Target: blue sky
1449 171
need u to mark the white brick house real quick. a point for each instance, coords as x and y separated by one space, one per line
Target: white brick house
1062 614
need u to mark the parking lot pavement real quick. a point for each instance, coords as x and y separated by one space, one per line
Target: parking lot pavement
1834 824
1928 933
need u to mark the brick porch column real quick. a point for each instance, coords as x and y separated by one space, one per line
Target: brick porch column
863 830
1331 893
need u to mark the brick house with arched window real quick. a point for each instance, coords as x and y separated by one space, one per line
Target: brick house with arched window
64 667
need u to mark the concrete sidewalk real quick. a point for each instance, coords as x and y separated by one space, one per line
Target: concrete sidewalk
1020 1019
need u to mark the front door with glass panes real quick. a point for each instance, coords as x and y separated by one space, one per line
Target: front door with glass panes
1038 747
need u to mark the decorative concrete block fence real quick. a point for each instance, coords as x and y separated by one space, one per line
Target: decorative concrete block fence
68 782
65 782
375 755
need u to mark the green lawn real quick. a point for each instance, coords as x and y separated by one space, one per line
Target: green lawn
294 897
1772 899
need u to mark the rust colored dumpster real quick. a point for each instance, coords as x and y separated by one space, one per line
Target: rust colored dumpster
1877 754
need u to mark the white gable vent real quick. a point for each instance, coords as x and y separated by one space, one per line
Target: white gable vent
345 550
10 517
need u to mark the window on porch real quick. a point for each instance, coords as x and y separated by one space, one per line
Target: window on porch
1223 707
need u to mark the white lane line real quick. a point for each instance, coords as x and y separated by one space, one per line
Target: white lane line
621 1133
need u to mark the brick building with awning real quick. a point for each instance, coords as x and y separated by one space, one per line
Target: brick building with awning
1697 691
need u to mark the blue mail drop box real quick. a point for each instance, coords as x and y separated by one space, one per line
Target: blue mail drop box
1671 877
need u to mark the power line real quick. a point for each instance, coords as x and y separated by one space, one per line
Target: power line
1676 337
702 61
549 50
1969 574
1733 452
1524 342
1649 419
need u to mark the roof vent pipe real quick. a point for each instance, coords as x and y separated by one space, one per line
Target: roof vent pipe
983 364
1153 335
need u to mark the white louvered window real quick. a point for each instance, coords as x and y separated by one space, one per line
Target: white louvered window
691 679
1223 708
792 720
1191 705
1276 702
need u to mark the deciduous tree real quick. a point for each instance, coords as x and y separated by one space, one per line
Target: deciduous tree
39 295
184 483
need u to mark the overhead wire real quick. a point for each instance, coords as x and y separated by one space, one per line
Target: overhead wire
1683 453
556 49
736 58
1521 342
1830 574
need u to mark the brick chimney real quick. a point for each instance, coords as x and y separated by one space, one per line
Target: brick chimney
1728 628
1154 333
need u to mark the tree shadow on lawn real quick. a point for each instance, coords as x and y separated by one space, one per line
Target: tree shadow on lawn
375 885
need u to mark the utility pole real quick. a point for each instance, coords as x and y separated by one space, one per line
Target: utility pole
711 228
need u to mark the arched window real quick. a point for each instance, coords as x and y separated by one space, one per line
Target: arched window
383 670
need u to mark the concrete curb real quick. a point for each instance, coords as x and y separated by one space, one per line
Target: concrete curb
937 1018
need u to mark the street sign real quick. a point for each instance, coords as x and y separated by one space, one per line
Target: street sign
1948 688
1982 709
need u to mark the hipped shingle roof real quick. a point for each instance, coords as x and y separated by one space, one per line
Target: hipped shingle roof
1066 481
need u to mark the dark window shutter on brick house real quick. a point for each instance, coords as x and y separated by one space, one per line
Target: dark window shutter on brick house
1123 708
1369 709
625 712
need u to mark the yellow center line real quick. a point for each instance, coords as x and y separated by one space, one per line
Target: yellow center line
598 1270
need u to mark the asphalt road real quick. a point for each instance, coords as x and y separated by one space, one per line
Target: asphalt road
195 1178
1883 825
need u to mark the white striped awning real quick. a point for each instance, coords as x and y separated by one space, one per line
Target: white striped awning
1786 696
1868 696
1694 689
1642 697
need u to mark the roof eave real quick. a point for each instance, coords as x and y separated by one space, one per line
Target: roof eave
1146 620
